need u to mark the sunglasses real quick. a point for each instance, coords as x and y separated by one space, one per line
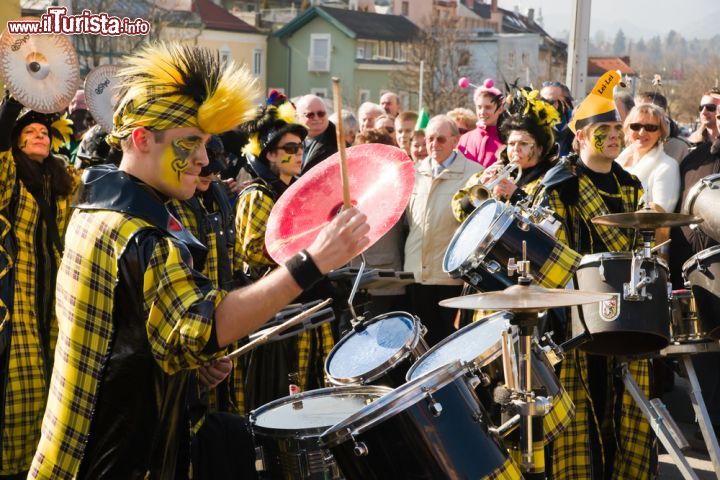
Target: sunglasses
636 127
320 114
291 148
439 139
710 107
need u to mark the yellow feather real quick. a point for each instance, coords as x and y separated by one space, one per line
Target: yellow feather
232 103
286 112
63 126
253 146
155 66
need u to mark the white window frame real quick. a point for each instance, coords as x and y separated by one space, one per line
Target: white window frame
320 92
225 54
360 51
404 100
363 96
258 62
315 63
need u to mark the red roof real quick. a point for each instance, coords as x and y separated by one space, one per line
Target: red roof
597 66
216 17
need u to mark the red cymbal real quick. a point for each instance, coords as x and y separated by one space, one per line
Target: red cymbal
381 181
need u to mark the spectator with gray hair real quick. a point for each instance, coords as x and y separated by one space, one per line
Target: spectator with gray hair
350 125
432 225
390 103
367 113
321 141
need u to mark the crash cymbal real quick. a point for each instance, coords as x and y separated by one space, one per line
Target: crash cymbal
521 297
101 94
40 71
645 219
381 181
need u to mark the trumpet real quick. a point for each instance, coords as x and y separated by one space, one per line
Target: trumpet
483 191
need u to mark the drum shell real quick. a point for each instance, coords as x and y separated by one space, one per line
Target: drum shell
639 327
702 201
702 272
391 372
294 453
414 443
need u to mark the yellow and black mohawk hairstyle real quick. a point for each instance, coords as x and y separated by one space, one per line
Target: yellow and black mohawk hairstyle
169 85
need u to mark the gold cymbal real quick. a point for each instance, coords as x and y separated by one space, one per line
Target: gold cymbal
646 218
521 297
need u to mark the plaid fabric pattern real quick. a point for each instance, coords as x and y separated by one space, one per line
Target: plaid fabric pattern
538 465
27 388
559 417
236 380
559 268
507 471
85 294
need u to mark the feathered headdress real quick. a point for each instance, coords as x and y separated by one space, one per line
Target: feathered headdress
274 118
170 86
526 110
59 126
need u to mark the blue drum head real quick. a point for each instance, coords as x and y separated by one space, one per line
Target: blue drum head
469 235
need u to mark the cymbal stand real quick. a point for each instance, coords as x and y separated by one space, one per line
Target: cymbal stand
356 320
660 421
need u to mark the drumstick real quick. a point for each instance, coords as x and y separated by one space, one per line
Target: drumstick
337 100
507 363
278 329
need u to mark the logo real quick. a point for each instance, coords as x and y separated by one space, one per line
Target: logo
610 309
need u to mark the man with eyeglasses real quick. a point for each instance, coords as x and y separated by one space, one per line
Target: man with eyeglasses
432 226
321 141
707 131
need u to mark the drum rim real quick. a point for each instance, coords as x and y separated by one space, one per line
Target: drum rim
695 191
479 361
368 391
701 255
473 258
383 368
594 257
398 400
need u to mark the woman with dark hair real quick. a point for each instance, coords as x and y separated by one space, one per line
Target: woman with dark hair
36 185
527 132
274 153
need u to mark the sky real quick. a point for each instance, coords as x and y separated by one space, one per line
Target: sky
637 18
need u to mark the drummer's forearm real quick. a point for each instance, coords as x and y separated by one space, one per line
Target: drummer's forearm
246 309
9 111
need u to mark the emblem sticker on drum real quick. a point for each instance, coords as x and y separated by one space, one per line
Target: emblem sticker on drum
610 309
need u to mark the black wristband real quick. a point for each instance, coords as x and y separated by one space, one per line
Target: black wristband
303 270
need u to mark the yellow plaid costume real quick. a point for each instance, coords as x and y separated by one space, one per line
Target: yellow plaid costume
253 210
31 349
623 422
236 380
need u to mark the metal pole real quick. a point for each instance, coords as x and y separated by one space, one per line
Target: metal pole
578 48
422 76
702 414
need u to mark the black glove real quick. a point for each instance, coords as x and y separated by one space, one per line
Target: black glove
9 111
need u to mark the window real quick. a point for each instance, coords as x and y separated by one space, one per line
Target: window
320 49
405 9
383 49
320 92
225 55
404 100
363 96
257 62
511 59
360 50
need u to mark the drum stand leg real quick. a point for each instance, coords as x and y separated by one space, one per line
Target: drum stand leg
702 414
657 422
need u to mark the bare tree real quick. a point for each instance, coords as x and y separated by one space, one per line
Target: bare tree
447 56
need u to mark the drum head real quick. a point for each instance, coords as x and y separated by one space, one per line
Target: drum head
315 409
478 342
467 238
365 355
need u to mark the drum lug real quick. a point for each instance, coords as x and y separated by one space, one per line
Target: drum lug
434 406
601 270
492 266
259 459
360 449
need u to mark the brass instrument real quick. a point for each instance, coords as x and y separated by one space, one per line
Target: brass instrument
483 191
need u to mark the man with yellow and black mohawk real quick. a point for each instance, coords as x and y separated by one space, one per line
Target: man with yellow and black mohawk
36 186
133 314
608 437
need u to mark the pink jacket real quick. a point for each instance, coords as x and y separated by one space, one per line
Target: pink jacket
480 145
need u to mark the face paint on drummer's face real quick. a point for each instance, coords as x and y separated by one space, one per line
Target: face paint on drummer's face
599 136
176 160
287 158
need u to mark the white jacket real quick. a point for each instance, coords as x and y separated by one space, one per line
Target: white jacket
659 174
431 220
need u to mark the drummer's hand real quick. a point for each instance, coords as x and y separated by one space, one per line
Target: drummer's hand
232 185
211 375
504 189
340 241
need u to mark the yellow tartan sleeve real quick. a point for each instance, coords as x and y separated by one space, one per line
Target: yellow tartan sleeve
253 211
7 180
456 203
177 332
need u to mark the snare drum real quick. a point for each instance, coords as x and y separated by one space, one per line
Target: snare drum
286 431
702 200
492 235
622 325
702 272
380 353
480 344
432 427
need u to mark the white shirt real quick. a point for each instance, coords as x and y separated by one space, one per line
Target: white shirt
659 174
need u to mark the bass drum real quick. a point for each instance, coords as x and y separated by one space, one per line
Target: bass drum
286 431
702 272
623 326
702 201
432 427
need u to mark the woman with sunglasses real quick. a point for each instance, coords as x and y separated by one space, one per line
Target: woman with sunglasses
274 153
646 127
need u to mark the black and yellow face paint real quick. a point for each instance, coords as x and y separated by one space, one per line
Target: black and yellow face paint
176 160
287 158
599 137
